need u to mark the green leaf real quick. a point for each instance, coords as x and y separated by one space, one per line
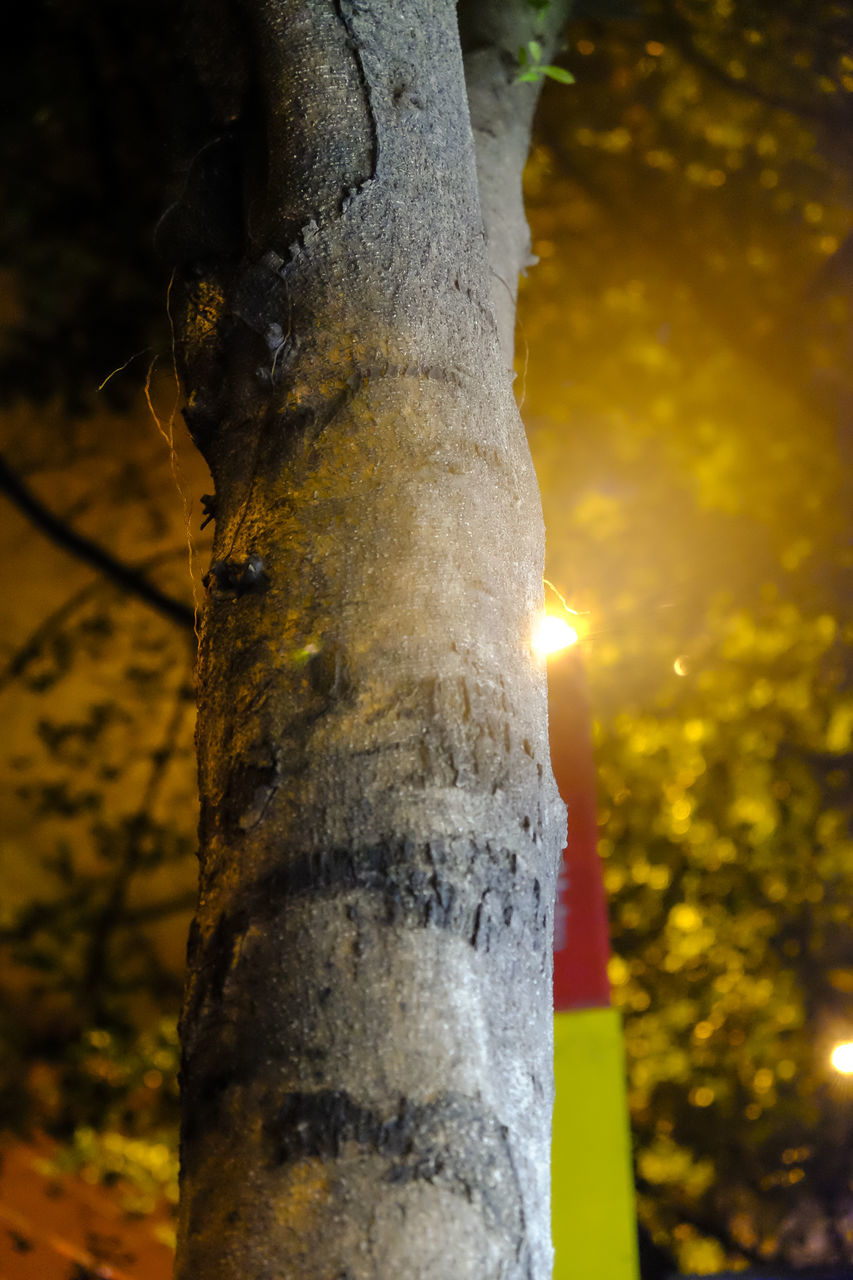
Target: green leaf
535 50
558 73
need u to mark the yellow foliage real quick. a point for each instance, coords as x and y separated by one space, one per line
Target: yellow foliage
839 732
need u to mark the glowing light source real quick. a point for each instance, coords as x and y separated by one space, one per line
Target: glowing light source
842 1058
552 633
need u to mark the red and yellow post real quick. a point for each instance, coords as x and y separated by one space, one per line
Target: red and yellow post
593 1214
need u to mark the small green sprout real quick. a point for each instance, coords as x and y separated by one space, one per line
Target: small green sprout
532 69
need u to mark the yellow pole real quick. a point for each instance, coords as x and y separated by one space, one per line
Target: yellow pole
593 1215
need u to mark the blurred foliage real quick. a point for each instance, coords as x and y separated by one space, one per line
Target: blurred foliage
133 1085
684 370
691 211
123 1130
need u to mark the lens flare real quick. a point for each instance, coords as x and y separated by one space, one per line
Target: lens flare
551 634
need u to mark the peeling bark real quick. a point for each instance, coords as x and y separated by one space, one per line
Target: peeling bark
367 1023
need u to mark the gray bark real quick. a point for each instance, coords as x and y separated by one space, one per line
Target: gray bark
501 119
367 1024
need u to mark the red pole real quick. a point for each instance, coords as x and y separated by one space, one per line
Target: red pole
581 935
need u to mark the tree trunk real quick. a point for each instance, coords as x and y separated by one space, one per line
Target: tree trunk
367 1025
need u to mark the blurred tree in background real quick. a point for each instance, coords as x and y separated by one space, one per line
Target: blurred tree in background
684 369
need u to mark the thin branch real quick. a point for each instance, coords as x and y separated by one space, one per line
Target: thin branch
44 632
112 914
122 575
33 646
159 910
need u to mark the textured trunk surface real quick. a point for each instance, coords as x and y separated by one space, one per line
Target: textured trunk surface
367 1025
492 33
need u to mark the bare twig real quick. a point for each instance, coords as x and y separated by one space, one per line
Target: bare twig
122 575
52 624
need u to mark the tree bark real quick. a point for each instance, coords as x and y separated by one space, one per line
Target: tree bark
501 112
367 1024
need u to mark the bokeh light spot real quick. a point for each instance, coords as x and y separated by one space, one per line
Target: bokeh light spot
842 1058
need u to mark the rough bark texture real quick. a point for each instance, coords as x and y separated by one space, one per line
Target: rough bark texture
367 1024
501 118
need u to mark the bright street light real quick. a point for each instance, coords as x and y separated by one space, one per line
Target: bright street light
842 1058
551 634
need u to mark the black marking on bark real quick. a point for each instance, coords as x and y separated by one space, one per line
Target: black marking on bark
522 1252
478 921
453 1142
428 884
475 892
465 891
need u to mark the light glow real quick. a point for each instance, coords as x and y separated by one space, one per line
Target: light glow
551 634
842 1058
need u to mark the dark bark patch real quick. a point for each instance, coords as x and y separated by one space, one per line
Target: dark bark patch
219 954
404 94
202 423
250 788
328 673
193 942
478 924
475 891
201 1101
237 577
466 891
453 1142
260 298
